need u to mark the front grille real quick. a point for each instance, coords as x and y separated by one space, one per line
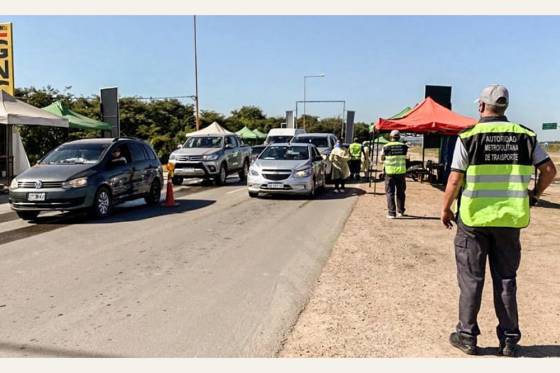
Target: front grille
45 184
189 165
184 158
276 176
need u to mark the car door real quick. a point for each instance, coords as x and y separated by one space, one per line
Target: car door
230 150
119 172
140 169
318 165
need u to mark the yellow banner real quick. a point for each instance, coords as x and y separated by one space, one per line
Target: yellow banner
6 58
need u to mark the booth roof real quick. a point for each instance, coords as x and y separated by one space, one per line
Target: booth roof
246 134
74 119
16 112
428 117
213 129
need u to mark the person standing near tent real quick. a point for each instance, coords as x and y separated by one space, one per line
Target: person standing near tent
339 158
393 156
366 152
493 162
355 159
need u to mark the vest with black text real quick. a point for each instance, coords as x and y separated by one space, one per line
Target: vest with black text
395 158
496 180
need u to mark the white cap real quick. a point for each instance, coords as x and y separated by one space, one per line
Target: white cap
395 133
494 94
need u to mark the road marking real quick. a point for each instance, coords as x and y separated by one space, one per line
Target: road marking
236 190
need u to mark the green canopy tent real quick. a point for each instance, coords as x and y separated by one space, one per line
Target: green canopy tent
247 135
401 113
260 135
75 120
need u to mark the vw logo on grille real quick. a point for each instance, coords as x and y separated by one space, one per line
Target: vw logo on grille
38 184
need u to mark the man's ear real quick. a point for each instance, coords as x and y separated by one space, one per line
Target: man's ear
481 107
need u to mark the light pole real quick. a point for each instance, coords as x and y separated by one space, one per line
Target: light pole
305 94
197 118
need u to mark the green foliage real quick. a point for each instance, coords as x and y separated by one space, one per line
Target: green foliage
163 123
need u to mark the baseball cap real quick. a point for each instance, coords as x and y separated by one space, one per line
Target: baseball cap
395 133
494 94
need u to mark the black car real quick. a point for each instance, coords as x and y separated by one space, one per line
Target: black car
93 174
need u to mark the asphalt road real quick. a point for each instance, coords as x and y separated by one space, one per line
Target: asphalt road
220 275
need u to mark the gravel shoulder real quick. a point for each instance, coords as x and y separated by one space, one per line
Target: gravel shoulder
389 288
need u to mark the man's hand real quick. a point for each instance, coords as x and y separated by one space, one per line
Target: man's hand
533 198
447 217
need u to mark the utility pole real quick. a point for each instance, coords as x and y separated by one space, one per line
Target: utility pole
197 113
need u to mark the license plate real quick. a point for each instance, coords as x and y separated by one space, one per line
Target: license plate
36 197
275 186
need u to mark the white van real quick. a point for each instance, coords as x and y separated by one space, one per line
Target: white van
282 135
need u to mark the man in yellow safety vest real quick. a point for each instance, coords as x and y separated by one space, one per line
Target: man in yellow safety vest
493 163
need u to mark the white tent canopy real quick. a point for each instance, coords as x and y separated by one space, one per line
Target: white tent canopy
213 129
16 112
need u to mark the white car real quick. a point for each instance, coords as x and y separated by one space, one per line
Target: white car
287 169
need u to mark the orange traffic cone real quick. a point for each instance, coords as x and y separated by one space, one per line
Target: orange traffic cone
169 198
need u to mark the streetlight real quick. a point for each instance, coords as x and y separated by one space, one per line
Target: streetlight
304 93
197 112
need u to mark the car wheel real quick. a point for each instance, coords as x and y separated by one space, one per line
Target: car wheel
253 194
102 204
244 171
154 195
222 176
28 215
177 180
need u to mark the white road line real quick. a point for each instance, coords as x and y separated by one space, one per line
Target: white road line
236 190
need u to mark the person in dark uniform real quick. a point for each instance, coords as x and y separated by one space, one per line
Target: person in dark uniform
493 162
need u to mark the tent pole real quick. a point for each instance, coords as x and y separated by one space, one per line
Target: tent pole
375 169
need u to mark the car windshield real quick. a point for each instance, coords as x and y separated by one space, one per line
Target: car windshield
279 139
204 142
75 154
320 142
285 153
256 150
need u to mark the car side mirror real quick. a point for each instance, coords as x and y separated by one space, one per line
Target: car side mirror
180 146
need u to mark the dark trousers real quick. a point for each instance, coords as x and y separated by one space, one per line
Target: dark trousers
338 183
395 183
502 248
355 165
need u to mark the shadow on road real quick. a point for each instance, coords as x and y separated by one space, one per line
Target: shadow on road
327 194
415 217
38 350
548 204
121 214
526 351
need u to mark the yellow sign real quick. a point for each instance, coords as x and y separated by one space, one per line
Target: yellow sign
6 58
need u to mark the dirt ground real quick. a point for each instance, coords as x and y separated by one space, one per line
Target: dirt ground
389 288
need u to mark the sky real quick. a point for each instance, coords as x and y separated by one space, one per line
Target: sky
377 64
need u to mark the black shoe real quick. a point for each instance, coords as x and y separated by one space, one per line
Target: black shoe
508 348
465 344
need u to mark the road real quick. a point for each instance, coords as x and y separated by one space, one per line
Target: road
220 275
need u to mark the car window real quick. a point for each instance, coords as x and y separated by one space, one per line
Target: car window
149 152
230 140
286 153
124 151
203 142
321 142
75 154
138 153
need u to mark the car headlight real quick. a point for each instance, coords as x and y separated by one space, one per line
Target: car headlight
173 157
253 172
75 183
211 157
14 184
303 173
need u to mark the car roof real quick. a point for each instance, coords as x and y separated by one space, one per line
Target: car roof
103 140
314 134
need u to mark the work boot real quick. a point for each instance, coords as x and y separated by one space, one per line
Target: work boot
467 344
508 348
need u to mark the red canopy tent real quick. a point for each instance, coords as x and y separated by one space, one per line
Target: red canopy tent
427 117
